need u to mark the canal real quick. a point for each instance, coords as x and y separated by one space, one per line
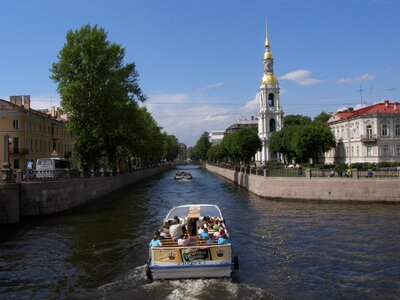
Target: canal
287 250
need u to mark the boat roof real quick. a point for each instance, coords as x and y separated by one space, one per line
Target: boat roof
194 211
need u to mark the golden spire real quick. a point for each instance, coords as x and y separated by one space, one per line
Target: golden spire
266 35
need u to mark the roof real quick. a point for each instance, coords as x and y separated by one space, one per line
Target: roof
382 108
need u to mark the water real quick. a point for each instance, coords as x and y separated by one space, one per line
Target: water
287 250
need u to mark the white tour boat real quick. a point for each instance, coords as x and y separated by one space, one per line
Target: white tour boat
183 176
195 257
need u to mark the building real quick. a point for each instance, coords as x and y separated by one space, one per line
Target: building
182 155
245 123
32 133
270 114
215 137
369 134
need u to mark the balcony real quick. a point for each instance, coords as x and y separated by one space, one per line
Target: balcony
370 138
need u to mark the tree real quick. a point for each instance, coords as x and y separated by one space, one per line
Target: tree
96 88
248 143
293 120
170 147
313 139
201 147
322 118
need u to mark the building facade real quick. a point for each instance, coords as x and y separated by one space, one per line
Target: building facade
370 134
215 137
270 114
32 133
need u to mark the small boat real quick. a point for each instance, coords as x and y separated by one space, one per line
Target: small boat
183 176
196 257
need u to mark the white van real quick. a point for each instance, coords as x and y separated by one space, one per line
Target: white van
53 167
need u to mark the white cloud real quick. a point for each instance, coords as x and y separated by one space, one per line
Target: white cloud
187 119
357 79
302 77
211 86
162 98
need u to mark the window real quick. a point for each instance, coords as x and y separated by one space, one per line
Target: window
15 124
384 130
369 130
397 130
272 126
385 150
271 99
369 150
358 151
16 163
398 149
16 145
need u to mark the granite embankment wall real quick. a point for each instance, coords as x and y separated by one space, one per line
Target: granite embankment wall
35 198
324 189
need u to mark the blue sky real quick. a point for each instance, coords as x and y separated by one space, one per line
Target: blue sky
200 62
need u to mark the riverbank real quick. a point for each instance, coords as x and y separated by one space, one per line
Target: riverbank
366 190
36 198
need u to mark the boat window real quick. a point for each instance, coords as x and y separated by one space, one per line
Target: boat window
181 212
209 211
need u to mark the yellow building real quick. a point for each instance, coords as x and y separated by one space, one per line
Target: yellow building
32 133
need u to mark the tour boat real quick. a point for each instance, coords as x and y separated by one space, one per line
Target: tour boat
197 257
183 176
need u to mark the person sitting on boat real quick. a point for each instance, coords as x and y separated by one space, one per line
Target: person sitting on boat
210 239
220 231
175 230
204 234
184 241
223 239
155 242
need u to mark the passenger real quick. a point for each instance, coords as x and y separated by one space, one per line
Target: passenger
369 173
223 239
204 234
210 239
184 241
160 235
175 230
155 242
220 231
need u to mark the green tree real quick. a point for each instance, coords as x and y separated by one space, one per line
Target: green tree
96 88
171 147
201 147
322 118
313 139
294 120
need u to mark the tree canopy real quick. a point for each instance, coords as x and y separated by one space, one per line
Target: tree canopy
238 146
301 138
100 94
202 145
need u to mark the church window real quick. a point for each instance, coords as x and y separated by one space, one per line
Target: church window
272 126
271 99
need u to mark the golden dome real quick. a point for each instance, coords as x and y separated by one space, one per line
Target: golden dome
267 54
269 78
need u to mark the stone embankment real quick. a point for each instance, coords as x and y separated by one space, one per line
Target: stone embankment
35 198
367 190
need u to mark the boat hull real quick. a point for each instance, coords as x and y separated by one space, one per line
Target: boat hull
195 271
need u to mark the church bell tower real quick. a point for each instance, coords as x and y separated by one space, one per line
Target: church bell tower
270 116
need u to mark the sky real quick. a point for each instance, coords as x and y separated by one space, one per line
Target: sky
200 62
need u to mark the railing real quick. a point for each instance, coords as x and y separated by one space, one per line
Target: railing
312 173
369 138
33 175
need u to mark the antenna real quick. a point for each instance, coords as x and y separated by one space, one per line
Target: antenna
392 89
361 91
370 87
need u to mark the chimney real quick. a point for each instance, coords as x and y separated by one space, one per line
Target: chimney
387 103
351 109
395 106
27 102
53 112
58 113
17 100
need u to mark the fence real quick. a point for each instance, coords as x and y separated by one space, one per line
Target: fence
295 172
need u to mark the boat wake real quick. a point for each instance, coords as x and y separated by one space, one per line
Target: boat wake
136 286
